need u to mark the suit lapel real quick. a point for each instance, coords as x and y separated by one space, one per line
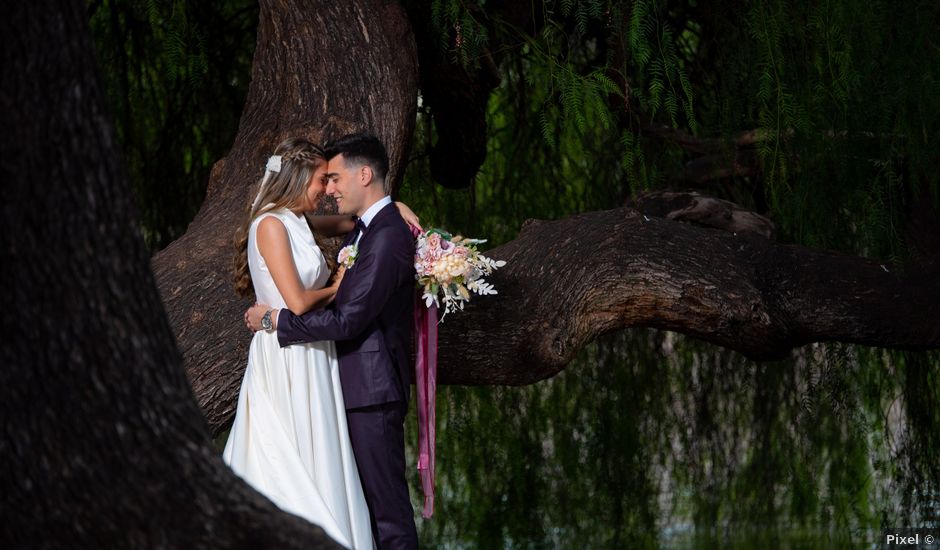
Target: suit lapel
379 219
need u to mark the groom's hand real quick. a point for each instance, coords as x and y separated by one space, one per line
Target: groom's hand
253 316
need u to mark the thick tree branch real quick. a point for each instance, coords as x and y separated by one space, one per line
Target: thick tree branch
568 281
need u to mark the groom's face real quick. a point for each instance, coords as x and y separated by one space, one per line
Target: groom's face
344 186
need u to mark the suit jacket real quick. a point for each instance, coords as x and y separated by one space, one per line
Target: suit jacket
371 316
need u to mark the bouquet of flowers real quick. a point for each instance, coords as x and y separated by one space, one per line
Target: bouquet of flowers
449 268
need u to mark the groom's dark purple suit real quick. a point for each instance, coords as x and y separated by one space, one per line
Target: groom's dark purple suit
371 322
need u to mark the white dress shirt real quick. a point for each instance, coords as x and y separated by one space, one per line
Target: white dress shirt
372 211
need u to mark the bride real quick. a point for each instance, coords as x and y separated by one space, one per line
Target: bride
289 439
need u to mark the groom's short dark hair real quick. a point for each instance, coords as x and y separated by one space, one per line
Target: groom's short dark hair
360 148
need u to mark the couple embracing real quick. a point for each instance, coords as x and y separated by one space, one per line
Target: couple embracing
319 427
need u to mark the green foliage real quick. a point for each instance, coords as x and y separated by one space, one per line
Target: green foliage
649 439
569 82
177 74
458 29
841 100
847 130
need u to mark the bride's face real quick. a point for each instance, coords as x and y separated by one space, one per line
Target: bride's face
316 187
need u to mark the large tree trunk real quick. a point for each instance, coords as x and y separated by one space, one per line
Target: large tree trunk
103 443
321 69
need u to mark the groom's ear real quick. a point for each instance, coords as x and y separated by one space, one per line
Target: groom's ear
365 174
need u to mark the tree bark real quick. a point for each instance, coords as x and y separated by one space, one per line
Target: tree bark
321 69
568 281
103 443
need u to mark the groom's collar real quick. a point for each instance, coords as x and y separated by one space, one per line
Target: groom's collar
369 214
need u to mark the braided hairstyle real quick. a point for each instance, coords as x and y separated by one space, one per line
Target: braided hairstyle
283 189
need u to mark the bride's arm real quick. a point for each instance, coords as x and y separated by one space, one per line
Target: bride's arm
274 245
408 215
340 224
332 225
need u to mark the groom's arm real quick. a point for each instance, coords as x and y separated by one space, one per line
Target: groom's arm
379 274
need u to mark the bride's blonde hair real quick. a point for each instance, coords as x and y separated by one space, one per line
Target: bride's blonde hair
285 188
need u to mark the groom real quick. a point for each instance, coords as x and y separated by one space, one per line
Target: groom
371 323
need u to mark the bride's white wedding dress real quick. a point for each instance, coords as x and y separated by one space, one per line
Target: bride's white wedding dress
289 439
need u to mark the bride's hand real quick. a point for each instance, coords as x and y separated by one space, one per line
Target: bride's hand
334 284
338 276
410 217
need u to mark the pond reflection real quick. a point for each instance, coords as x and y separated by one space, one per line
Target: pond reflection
650 439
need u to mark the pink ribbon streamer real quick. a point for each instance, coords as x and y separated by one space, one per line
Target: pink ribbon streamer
426 382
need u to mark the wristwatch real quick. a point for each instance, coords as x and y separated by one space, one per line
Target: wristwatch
266 323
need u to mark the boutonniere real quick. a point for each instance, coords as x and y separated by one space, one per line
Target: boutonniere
347 255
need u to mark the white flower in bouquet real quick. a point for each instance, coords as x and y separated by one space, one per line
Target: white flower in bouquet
449 268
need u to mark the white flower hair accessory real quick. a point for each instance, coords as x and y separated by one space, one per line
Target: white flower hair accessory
274 163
